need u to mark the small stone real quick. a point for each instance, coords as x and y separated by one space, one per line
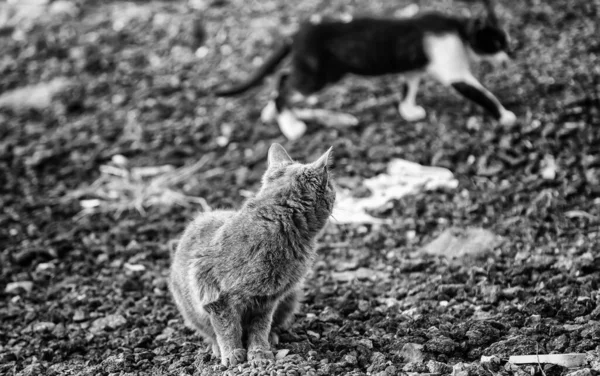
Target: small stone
313 334
360 274
43 326
441 345
59 331
412 353
363 305
43 266
458 243
581 372
329 315
64 7
460 369
182 54
350 359
281 354
15 288
114 363
438 367
108 322
135 267
512 292
79 316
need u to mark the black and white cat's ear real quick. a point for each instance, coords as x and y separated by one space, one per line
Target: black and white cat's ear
324 160
277 155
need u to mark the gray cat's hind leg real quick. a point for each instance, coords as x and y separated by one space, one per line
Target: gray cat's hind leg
226 321
193 318
284 315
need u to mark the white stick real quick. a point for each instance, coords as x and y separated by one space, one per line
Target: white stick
565 360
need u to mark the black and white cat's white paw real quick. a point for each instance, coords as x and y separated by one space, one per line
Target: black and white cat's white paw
411 112
269 113
507 118
290 126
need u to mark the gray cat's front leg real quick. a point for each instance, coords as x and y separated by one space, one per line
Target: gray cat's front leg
259 328
226 320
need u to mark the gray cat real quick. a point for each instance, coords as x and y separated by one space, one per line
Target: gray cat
236 275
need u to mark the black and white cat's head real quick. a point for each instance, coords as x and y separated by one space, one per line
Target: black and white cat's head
488 40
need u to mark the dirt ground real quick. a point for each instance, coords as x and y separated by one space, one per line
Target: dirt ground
83 267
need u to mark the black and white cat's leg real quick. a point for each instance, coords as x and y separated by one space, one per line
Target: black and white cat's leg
226 320
279 109
408 108
259 328
449 64
472 89
461 79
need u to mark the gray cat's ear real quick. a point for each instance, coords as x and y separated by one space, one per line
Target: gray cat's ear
277 155
324 160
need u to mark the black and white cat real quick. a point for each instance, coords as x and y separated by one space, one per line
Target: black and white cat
433 44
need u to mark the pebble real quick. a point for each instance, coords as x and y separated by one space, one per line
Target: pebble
15 288
108 322
412 352
43 326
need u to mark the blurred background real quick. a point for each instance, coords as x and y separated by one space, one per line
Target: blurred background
110 143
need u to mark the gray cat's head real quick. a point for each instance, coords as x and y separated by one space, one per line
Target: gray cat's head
306 186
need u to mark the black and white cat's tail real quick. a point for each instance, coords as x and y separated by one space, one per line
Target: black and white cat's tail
266 69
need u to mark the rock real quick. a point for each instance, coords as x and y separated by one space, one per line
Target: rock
37 97
441 345
491 293
114 363
281 354
560 343
415 367
182 54
108 322
593 359
134 267
360 274
43 326
79 316
581 372
16 288
366 343
461 369
438 367
513 292
515 345
59 331
64 8
329 315
412 353
378 362
349 359
548 167
458 243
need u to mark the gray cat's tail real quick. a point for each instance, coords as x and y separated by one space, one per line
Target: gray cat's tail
266 69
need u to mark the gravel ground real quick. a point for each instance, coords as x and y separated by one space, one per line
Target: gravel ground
83 289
